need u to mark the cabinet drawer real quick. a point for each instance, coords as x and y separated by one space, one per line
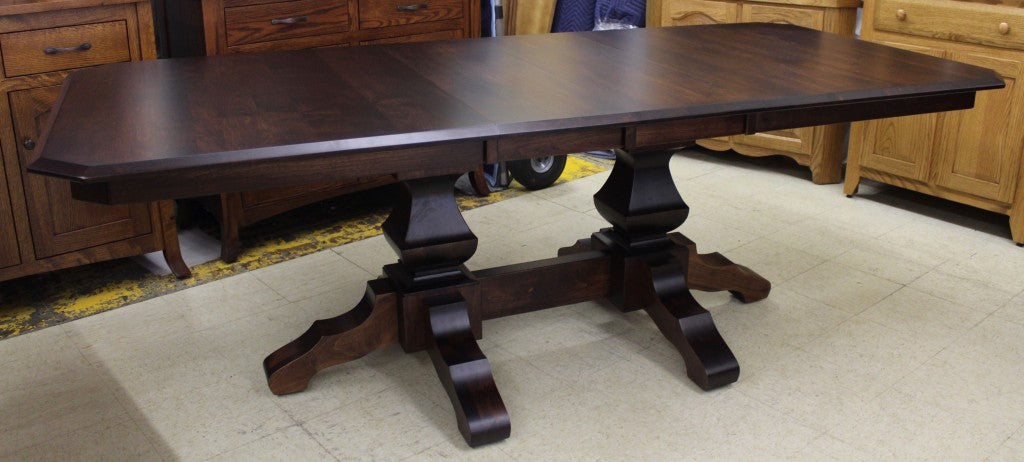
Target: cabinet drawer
60 48
384 13
285 20
804 17
694 12
993 25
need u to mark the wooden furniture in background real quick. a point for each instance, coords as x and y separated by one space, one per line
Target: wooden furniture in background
245 26
662 88
974 156
821 148
41 227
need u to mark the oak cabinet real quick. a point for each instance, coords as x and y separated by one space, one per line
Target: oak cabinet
820 148
220 27
9 249
42 228
971 156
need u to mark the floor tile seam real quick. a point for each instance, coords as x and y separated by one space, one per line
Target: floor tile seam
929 269
965 308
1009 295
786 415
368 276
148 433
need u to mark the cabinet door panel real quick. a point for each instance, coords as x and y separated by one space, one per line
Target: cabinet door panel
980 148
10 254
695 12
59 223
798 139
901 145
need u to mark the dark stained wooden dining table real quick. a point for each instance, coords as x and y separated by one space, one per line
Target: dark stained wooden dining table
427 112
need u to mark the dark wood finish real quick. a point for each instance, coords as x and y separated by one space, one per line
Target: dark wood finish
45 228
389 13
372 324
245 26
9 251
278 21
466 376
407 112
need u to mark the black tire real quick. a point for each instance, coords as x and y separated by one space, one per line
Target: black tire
537 173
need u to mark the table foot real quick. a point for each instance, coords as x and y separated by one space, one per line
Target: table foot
466 376
372 324
713 272
680 318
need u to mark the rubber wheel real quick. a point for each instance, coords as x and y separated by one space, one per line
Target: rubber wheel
537 173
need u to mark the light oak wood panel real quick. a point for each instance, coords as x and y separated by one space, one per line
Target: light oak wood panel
974 22
985 165
901 145
696 12
820 148
971 156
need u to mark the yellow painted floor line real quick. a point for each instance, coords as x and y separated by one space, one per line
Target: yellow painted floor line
35 302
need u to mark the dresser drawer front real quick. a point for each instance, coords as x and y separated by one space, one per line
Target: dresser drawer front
385 13
952 20
804 17
696 12
285 20
60 48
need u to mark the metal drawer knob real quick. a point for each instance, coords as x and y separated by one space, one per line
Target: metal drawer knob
901 14
413 7
30 144
1004 28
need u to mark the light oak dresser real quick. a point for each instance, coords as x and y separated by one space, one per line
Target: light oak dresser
971 156
820 148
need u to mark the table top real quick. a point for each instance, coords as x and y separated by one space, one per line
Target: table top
209 120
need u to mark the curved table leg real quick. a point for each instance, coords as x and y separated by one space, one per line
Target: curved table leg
709 361
466 376
372 324
712 272
169 240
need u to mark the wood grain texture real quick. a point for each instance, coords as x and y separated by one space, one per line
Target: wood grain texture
51 229
387 13
296 113
466 376
973 156
820 148
70 47
372 324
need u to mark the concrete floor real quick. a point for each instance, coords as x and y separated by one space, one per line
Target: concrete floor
894 331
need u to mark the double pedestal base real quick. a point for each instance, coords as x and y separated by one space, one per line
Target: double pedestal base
430 301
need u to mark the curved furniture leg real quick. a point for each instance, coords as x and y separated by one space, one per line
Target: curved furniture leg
372 324
709 361
230 244
712 272
466 376
169 240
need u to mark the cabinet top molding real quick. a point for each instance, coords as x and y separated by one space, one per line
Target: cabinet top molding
819 3
209 117
13 7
